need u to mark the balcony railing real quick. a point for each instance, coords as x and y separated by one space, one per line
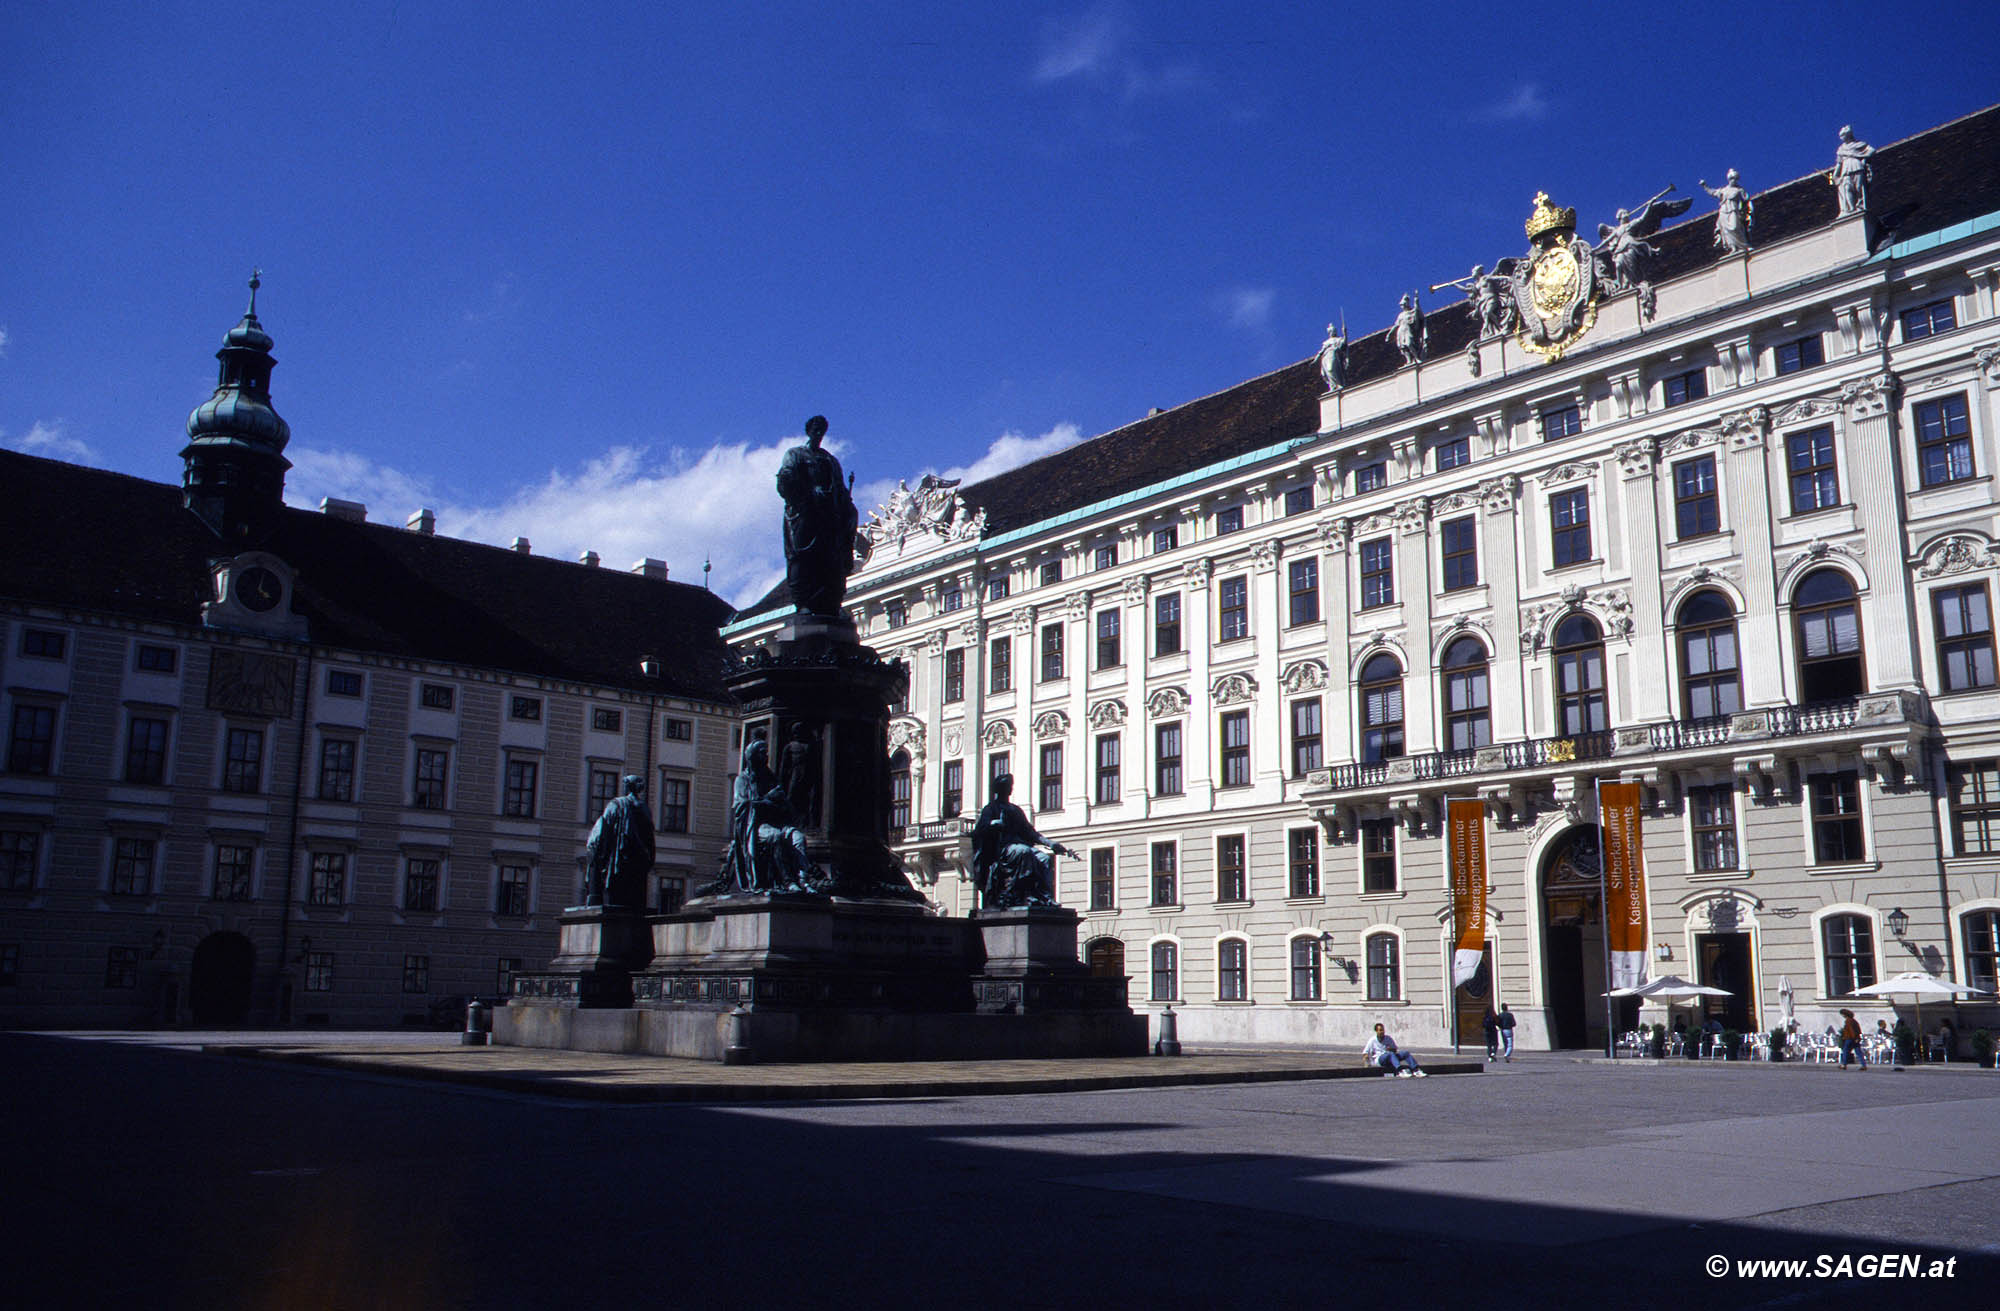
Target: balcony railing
931 830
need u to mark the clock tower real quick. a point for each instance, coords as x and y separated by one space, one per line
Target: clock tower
234 480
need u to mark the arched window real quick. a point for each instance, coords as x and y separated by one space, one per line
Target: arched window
1468 720
1381 695
1166 972
1829 633
1232 970
1710 684
1305 969
1579 649
1385 967
899 790
1849 947
1982 948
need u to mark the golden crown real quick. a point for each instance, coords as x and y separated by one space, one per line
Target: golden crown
1548 218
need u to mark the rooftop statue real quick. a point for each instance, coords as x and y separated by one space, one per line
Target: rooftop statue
1622 248
619 855
1333 359
1732 215
820 521
1852 173
933 507
1490 301
1009 866
1410 332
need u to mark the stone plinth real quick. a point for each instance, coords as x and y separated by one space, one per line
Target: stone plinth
599 948
1032 966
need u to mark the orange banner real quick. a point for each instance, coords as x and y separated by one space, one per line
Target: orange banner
1624 882
1465 827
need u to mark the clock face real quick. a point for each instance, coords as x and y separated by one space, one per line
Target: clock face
258 589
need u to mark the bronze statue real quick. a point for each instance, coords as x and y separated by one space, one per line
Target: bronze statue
798 772
1009 866
820 522
620 851
767 849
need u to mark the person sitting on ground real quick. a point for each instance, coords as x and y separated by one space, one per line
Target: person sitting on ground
1382 1051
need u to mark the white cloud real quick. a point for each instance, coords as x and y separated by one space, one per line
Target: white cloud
1011 450
1526 105
1247 308
1086 47
3 339
52 441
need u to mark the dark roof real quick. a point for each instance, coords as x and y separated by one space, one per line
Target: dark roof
105 542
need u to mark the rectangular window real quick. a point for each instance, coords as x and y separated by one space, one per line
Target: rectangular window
669 893
1110 651
1052 772
1809 460
1458 541
44 643
1166 874
1305 969
31 744
603 719
504 972
20 853
1697 512
1307 755
1378 855
1229 520
233 871
1105 557
1167 760
1303 849
1103 879
895 613
1712 817
680 730
1929 320
436 696
1232 597
1052 651
1167 624
146 750
243 760
1000 665
319 971
153 659
1975 806
1108 773
1302 586
1166 539
121 967
1166 971
1849 942
1836 817
1378 579
1798 356
416 974
1981 933
605 786
954 675
1685 387
336 769
1299 500
518 800
326 880
1232 872
998 764
952 803
1371 477
1235 735
1944 440
1232 970
676 794
997 589
1565 421
1385 967
1453 454
525 707
511 891
428 790
899 794
1051 573
952 599
1964 637
421 878
1569 527
132 866
343 682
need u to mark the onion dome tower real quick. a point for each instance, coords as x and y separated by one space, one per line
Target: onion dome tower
235 464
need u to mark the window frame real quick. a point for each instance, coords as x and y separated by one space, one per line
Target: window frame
1837 817
951 789
146 761
1167 631
336 778
1232 608
1944 456
1715 847
676 813
1380 709
1107 776
1308 738
1684 388
1976 813
326 879
1110 640
1302 592
1384 976
1302 863
1585 709
1232 969
135 866
1163 958
237 863
32 753
513 890
1381 872
1458 553
953 679
1697 507
1232 735
1963 648
1857 948
1170 771
1049 776
430 788
520 786
1051 667
1799 361
1305 974
1812 470
1569 528
1232 868
1692 634
1377 560
242 760
1103 878
1163 864
1000 664
1561 421
1474 676
1921 321
423 884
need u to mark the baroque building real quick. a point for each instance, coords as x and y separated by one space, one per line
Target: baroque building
1709 507
268 765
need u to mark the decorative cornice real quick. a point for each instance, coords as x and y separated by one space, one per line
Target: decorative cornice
1747 427
1106 714
1264 555
907 734
1811 407
1233 689
1635 458
1303 676
1135 589
1051 724
1167 702
1413 516
1568 473
1955 555
1196 573
1499 493
1870 397
999 733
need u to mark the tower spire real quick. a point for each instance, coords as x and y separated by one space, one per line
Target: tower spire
234 476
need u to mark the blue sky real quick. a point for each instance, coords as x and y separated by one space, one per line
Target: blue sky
580 272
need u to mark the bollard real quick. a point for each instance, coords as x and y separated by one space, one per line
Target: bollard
478 1025
736 1045
1169 1044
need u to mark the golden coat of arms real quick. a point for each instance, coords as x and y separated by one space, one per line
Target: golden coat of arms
1555 287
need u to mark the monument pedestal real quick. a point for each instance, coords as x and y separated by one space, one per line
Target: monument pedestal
1032 966
599 949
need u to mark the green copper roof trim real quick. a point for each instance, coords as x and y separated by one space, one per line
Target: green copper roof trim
1942 237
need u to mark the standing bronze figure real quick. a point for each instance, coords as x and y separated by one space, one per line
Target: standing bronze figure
820 522
619 855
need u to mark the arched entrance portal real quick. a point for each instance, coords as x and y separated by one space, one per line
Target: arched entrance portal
1573 964
219 983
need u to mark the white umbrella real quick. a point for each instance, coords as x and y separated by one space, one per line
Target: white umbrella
1917 984
1669 988
1785 998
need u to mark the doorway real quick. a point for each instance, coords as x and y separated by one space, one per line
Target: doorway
1473 999
1107 958
1573 940
219 981
1724 960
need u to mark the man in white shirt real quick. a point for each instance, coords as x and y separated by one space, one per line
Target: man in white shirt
1394 1062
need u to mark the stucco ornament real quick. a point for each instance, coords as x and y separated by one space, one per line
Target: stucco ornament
1106 714
1955 555
1233 689
933 507
1303 676
1166 702
999 733
1554 286
1051 723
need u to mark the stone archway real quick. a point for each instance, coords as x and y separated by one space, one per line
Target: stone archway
1573 965
219 981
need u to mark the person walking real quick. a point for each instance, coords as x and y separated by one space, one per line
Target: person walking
1850 1040
1491 1024
1506 1023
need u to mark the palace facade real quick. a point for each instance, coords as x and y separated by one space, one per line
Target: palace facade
1725 526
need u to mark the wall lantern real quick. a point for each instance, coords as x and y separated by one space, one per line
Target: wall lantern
1899 923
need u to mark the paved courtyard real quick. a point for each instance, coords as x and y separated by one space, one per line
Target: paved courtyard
157 1173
